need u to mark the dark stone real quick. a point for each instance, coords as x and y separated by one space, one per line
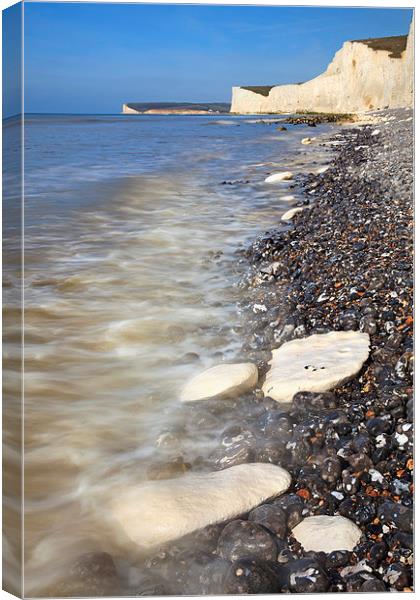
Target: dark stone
378 553
373 585
331 469
405 540
379 425
271 517
396 514
307 577
92 574
336 559
94 564
151 586
271 452
315 402
294 515
253 576
244 539
398 576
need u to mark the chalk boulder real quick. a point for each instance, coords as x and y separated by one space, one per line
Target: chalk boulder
275 177
288 216
307 140
327 534
322 170
317 363
157 512
227 380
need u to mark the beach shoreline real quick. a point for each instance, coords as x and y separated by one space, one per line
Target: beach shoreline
344 454
346 264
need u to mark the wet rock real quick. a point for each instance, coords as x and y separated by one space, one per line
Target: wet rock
288 215
315 364
307 577
276 177
94 564
360 510
295 514
396 515
193 501
271 452
238 446
331 469
92 574
397 576
246 539
337 559
326 534
226 380
405 540
151 586
252 576
168 469
373 585
379 425
314 402
272 517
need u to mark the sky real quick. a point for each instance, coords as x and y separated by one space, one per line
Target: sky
91 58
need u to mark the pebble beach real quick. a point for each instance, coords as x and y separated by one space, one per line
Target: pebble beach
308 491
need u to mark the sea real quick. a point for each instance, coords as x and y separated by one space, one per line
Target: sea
134 231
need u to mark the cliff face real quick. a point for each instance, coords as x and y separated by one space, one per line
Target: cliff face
363 75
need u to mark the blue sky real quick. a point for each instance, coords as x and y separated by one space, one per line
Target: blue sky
90 58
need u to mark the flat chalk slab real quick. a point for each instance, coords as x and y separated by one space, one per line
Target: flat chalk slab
285 176
317 363
222 380
157 512
327 534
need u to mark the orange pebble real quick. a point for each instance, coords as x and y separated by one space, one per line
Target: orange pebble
304 494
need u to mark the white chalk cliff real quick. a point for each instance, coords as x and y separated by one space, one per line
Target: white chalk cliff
363 75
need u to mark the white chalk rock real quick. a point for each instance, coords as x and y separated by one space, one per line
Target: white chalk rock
275 177
317 363
291 213
327 534
222 380
376 132
157 512
307 140
322 170
288 198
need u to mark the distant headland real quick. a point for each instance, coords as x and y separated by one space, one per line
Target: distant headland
174 108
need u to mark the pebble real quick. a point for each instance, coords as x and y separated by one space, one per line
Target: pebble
272 517
288 216
226 380
276 177
307 577
325 533
252 576
246 539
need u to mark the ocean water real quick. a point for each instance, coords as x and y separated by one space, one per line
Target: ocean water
132 258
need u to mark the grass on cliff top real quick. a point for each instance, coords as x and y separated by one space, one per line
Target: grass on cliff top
395 44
